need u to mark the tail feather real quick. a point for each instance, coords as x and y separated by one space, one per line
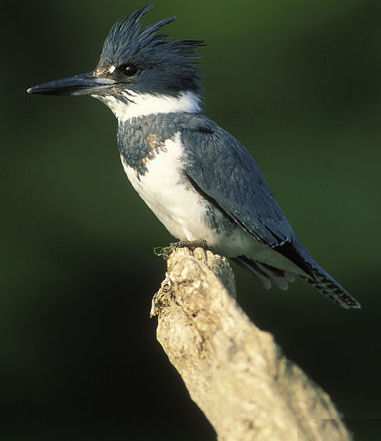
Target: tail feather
313 273
266 274
296 252
251 265
277 277
328 286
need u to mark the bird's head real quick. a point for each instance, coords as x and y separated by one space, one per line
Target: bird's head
139 71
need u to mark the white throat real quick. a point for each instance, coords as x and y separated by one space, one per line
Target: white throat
147 104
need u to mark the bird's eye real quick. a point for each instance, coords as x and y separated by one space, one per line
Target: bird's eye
130 70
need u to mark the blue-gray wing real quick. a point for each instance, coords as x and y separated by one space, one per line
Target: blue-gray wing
221 168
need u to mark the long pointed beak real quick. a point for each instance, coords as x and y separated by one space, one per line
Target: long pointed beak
83 84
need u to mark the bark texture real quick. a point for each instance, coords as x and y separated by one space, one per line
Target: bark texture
235 372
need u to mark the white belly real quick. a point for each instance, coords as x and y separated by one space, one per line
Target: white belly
166 191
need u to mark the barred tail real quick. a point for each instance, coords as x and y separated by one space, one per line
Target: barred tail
311 271
328 286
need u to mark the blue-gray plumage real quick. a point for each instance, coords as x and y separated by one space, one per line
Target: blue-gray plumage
196 177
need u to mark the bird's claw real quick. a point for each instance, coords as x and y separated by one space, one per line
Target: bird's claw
165 252
190 244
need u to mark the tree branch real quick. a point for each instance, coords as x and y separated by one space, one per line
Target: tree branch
234 371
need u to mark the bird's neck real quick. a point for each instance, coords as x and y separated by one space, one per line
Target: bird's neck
139 105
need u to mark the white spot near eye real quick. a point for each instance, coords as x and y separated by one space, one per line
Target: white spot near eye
111 69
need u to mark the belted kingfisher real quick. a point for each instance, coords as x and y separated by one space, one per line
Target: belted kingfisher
198 179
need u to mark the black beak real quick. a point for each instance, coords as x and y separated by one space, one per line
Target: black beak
83 84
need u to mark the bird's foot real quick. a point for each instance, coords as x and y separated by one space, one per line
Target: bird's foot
199 243
192 244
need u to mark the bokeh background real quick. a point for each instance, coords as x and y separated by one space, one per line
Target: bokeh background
298 82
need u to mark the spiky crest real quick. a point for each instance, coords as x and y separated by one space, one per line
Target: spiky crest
127 41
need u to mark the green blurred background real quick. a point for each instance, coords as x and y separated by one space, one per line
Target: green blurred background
298 82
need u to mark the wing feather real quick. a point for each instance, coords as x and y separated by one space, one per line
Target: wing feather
226 173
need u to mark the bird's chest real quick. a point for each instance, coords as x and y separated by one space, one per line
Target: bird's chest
166 190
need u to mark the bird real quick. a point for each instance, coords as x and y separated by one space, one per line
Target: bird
199 180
